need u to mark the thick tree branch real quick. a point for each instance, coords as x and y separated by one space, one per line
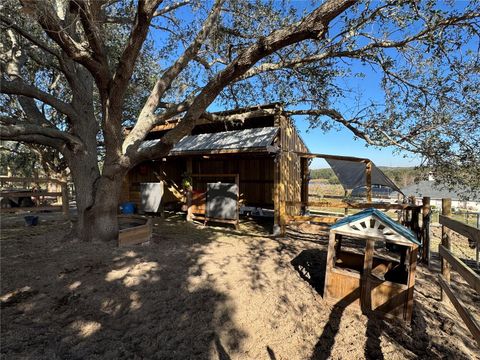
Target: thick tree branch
313 26
171 8
130 54
164 83
28 35
336 116
359 53
56 29
89 15
11 129
19 87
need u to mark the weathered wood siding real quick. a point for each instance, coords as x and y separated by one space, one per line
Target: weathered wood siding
290 167
171 170
256 176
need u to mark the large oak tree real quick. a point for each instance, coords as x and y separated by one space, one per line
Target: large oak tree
75 72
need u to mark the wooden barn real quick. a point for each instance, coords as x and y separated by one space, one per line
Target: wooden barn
257 147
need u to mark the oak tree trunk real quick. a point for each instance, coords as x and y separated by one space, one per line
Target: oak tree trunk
97 199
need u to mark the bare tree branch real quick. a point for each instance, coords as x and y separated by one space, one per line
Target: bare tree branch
171 8
11 129
19 87
56 29
313 26
361 52
137 37
164 83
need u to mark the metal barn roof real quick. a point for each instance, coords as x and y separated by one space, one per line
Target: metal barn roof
385 219
258 138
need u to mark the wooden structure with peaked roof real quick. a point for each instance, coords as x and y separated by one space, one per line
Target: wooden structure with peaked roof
260 144
382 284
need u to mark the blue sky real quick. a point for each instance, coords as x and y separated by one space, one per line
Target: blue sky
342 142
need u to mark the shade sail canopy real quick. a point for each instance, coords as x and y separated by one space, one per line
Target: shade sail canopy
352 174
247 140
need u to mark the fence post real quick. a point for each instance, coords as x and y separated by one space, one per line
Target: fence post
446 236
426 229
64 198
477 250
368 180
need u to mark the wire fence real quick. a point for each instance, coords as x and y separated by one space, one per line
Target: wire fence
467 217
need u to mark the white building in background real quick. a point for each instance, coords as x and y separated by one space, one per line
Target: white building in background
460 199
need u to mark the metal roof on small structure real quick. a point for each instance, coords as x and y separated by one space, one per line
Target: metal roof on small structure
258 138
383 218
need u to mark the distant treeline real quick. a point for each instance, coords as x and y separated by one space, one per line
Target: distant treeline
402 176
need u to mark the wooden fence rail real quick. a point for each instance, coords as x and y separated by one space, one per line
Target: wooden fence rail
36 194
450 261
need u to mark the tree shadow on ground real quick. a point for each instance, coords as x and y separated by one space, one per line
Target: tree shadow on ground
310 265
99 301
412 338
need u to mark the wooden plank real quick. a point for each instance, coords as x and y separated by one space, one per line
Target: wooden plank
322 219
318 203
412 257
213 175
468 319
136 235
366 286
31 194
368 180
463 229
426 209
446 235
305 176
330 264
333 157
458 265
30 180
339 204
32 209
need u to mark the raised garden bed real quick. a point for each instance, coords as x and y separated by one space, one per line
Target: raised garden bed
134 229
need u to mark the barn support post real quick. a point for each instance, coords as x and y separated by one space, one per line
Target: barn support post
446 236
305 178
412 259
283 208
426 229
276 195
368 178
366 286
189 191
330 262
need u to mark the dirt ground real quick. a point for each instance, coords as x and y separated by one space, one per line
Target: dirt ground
201 293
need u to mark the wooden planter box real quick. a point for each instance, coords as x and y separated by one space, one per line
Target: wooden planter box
377 284
134 230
